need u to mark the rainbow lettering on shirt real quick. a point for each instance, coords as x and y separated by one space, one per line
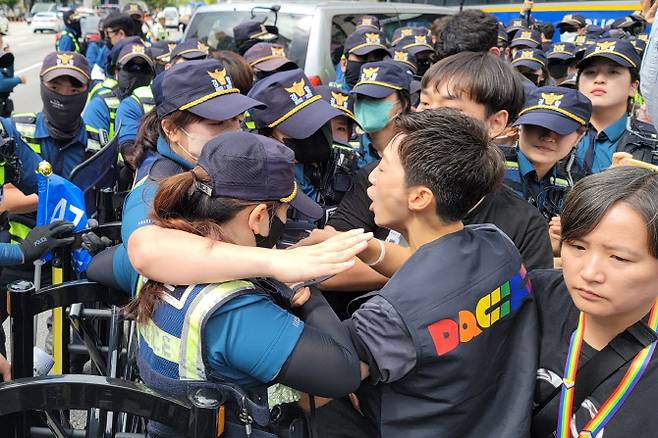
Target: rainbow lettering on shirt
448 333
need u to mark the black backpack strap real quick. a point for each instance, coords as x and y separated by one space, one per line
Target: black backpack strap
620 351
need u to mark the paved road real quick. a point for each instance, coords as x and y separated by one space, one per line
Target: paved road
29 50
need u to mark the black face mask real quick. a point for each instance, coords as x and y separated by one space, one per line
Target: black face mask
557 70
75 25
277 227
353 72
532 78
129 81
313 149
62 113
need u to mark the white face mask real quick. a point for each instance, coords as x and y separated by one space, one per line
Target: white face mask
568 37
195 144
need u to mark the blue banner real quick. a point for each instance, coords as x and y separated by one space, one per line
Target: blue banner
60 199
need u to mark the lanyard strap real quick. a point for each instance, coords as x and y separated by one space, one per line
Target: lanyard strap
588 162
618 396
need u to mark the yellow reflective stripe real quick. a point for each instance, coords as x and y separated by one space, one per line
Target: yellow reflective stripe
58 328
2 174
511 165
192 358
556 109
208 97
36 147
383 84
367 44
163 344
265 58
294 110
18 231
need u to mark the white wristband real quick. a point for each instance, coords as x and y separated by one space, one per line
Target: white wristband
382 253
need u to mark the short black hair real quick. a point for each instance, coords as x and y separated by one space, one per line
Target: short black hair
592 197
547 29
485 78
450 154
119 21
468 31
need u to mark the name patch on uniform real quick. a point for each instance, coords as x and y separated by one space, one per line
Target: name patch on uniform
448 333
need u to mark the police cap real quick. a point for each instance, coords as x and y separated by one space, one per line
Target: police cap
58 64
292 104
202 87
364 41
380 79
562 110
619 51
268 57
251 167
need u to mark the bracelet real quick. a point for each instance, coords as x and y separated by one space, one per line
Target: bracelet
382 253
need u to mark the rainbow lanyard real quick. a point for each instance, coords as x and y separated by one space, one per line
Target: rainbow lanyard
618 396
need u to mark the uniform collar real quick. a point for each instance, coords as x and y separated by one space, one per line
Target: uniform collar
165 150
525 166
615 131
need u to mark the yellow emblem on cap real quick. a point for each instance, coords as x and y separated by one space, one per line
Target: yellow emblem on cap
526 34
643 37
420 39
407 31
219 76
372 38
525 54
138 49
517 23
134 8
171 46
551 98
558 48
568 17
278 52
339 98
580 39
401 56
606 45
65 58
297 88
366 21
202 47
369 74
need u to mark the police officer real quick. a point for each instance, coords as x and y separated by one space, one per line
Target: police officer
608 75
69 38
313 354
382 92
571 26
136 13
550 125
297 116
561 61
194 101
134 69
250 32
421 48
531 63
160 32
58 133
363 45
268 58
368 22
141 101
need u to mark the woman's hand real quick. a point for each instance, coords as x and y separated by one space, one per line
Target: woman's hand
300 297
555 234
330 257
648 8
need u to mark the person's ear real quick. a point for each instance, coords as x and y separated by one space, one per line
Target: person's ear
168 128
121 33
633 90
494 51
259 220
419 198
497 122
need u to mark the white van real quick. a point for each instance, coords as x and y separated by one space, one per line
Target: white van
312 32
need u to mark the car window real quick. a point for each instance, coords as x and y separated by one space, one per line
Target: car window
343 25
216 30
46 15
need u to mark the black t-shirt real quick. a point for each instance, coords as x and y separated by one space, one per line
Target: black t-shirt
558 318
519 220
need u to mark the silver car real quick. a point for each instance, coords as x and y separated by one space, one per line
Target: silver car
312 32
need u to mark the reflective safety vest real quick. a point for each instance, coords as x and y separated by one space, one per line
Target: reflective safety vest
112 102
76 43
171 342
26 125
144 97
108 83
